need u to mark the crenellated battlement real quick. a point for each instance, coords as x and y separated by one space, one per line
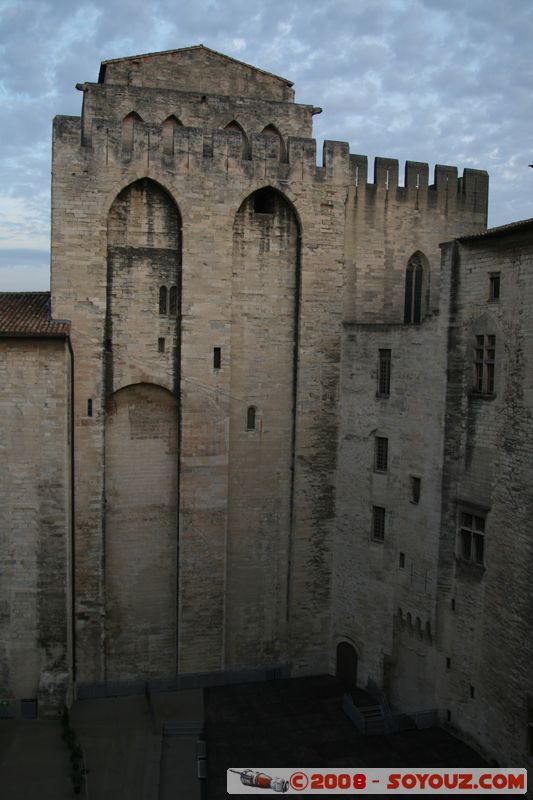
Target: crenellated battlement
267 156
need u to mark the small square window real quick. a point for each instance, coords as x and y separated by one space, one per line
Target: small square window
381 453
378 523
494 286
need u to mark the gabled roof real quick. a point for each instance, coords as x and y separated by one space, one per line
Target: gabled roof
184 50
27 314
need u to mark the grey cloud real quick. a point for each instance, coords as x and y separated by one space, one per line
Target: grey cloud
436 80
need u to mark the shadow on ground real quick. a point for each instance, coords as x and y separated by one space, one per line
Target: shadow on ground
300 723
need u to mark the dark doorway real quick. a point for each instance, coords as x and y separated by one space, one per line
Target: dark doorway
346 670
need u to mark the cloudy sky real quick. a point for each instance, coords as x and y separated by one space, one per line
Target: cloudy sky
443 81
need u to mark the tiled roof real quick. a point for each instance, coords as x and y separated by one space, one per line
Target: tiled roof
501 230
28 314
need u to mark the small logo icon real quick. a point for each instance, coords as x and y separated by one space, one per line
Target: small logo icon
260 780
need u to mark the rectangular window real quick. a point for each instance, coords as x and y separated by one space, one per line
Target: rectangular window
378 523
402 561
381 453
484 362
217 357
416 484
161 345
472 537
494 286
384 370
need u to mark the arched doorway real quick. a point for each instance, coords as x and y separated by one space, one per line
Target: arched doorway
346 665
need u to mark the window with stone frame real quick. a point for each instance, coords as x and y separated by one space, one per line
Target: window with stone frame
471 537
484 363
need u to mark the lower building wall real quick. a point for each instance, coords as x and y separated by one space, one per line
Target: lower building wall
35 520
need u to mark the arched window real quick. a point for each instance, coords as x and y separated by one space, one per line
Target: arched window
128 126
271 130
413 291
172 301
234 126
163 295
250 418
169 126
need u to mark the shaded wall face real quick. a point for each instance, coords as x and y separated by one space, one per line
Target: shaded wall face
141 442
35 521
141 525
265 253
144 255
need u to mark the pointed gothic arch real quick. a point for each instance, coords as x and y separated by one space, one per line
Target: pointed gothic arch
128 130
271 130
169 126
416 289
245 145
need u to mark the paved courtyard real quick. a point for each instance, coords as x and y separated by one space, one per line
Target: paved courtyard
145 748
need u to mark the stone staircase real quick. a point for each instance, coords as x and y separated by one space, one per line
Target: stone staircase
374 721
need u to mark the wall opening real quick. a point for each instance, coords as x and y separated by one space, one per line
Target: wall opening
346 666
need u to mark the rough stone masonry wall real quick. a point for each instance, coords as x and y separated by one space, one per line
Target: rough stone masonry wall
208 187
387 611
35 555
485 612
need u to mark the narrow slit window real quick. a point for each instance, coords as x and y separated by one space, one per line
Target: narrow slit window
413 291
402 561
217 357
494 286
89 407
250 418
384 371
378 523
416 484
161 345
381 454
172 301
163 298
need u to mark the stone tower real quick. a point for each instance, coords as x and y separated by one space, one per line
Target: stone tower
213 274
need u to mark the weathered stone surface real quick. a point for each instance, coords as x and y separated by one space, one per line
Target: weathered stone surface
229 299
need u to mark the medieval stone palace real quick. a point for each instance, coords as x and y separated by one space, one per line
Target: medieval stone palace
274 418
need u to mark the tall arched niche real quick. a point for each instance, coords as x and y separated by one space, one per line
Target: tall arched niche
143 255
141 462
264 325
